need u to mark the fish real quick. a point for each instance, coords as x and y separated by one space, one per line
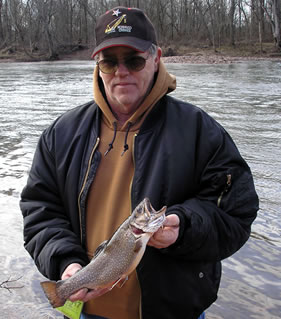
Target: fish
114 259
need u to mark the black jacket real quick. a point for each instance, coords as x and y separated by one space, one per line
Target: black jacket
183 159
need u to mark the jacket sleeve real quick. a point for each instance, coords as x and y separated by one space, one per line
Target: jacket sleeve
216 222
48 235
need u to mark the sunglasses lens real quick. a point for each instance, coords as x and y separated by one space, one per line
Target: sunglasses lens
107 66
136 63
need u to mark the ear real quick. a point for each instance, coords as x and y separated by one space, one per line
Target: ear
157 58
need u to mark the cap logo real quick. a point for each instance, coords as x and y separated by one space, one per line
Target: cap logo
115 24
116 12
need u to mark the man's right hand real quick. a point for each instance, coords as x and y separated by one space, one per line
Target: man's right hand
82 294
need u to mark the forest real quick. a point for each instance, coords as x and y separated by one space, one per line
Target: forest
46 28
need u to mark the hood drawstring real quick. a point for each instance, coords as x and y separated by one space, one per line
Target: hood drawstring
126 146
114 136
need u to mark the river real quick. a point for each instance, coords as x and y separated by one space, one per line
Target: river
244 97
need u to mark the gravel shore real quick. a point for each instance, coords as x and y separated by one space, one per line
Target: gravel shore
198 57
213 59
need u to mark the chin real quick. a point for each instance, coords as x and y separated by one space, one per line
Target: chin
127 103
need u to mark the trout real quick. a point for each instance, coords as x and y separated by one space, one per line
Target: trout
114 259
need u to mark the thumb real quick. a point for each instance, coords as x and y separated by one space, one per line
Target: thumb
172 221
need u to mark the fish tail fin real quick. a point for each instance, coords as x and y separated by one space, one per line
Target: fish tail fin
50 290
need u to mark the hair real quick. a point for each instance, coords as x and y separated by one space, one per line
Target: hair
153 49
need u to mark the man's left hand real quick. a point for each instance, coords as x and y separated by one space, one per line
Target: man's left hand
168 234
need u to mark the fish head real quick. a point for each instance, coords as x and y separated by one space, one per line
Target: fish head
145 219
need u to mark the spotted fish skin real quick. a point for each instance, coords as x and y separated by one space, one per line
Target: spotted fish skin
114 259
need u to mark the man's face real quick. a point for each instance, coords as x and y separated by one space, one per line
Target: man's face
125 90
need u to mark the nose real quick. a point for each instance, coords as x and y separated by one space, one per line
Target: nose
121 69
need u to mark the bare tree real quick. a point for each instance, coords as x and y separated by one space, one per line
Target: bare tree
47 11
276 8
17 12
231 22
1 26
47 27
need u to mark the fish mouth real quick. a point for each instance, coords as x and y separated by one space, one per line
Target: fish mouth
154 225
137 231
146 219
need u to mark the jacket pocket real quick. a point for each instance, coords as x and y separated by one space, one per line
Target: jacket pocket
208 277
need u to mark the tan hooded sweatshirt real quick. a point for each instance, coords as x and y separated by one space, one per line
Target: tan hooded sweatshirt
109 200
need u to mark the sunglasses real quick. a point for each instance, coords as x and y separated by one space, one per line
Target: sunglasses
134 64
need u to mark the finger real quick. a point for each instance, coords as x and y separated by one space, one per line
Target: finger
70 270
79 295
157 243
164 238
95 293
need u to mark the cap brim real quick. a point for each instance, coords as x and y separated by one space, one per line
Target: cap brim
130 42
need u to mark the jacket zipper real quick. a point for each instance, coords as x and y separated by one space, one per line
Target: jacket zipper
228 184
131 185
83 186
133 155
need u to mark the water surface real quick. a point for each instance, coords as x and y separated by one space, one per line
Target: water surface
244 97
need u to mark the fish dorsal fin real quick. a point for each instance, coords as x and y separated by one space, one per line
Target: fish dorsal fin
100 248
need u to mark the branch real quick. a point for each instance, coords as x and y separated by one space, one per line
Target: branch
5 284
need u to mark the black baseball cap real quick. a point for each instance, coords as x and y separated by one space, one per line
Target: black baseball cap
129 27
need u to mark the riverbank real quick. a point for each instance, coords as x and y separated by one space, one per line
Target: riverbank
180 54
199 55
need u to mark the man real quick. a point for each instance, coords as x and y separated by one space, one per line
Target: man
98 161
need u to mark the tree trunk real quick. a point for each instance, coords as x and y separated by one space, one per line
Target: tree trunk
1 25
212 25
253 20
276 18
260 37
260 14
47 18
86 22
204 22
231 22
172 19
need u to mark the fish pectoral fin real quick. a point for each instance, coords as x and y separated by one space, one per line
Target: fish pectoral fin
138 245
120 282
100 248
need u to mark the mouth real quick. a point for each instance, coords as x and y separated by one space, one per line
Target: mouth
151 227
137 231
124 84
146 219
